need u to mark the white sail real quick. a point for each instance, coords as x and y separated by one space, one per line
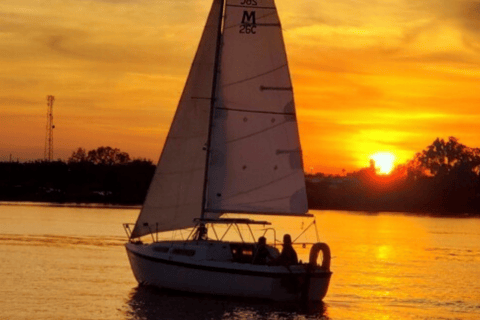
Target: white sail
256 161
175 195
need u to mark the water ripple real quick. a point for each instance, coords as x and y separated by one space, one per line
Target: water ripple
60 241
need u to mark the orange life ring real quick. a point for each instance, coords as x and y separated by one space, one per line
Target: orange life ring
316 248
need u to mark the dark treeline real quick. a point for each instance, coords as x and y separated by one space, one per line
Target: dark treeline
443 179
104 175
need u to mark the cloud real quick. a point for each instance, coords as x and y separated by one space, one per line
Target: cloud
465 12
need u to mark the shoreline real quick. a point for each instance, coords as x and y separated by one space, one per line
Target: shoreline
70 205
96 205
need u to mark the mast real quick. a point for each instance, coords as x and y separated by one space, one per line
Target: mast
212 106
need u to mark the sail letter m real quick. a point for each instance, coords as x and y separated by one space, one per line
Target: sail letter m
248 17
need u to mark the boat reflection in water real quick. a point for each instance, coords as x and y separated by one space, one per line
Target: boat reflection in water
149 303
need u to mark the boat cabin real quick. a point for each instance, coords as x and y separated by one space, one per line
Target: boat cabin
201 245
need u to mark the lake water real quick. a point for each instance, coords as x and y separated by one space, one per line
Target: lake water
70 263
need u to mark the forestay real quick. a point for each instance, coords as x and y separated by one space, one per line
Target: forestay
256 161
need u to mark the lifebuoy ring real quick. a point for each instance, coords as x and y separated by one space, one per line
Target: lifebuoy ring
316 248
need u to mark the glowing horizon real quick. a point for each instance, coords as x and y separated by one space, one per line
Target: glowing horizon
367 76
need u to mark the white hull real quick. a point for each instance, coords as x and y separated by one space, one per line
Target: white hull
209 271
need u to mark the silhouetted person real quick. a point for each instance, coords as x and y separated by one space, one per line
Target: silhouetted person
262 254
288 255
201 233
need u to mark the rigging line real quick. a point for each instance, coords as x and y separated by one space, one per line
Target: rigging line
263 88
201 98
268 24
256 133
258 111
262 186
257 76
257 24
251 7
268 200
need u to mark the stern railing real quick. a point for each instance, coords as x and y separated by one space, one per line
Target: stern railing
128 230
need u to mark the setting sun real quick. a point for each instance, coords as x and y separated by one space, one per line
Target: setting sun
384 161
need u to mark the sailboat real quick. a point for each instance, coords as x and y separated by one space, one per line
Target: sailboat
233 148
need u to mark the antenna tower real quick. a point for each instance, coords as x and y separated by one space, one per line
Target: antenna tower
50 127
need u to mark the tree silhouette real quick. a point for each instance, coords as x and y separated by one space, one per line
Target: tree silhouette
107 156
78 156
444 157
101 155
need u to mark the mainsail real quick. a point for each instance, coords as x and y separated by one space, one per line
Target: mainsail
175 195
256 162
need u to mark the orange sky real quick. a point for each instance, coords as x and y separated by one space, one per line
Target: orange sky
369 76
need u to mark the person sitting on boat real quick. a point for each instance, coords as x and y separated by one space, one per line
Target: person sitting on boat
262 255
201 233
288 255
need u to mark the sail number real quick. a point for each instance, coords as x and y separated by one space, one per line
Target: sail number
248 28
249 22
249 2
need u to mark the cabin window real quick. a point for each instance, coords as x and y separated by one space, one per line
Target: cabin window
184 252
247 252
161 249
242 253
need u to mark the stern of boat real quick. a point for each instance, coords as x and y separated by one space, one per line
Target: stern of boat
318 286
